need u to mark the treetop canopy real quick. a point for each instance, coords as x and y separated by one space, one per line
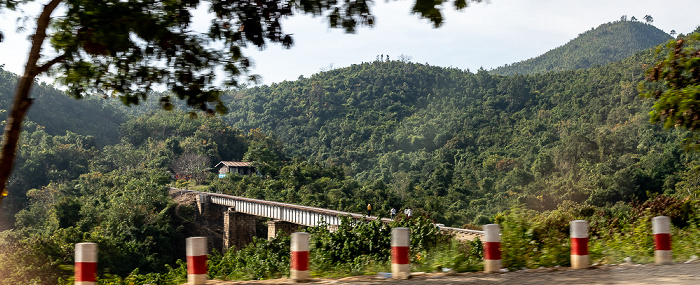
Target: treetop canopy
125 48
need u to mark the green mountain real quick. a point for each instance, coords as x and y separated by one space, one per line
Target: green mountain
605 44
460 145
464 146
57 113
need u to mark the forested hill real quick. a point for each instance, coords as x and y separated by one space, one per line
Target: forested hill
605 44
58 113
460 145
466 145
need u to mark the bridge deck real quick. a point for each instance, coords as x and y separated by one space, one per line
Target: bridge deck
302 215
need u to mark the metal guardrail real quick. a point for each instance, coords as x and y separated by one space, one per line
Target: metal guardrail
461 231
297 214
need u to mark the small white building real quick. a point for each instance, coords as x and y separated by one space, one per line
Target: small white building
240 167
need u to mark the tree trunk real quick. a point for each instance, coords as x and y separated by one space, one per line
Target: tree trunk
21 101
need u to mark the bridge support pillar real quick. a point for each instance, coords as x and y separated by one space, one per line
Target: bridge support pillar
276 226
203 202
239 229
206 208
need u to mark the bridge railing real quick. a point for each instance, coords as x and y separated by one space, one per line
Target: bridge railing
303 215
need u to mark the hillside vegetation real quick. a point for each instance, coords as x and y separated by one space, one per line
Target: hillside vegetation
464 145
529 152
62 134
56 112
605 44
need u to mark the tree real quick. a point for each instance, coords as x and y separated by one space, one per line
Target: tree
648 19
192 165
674 82
126 48
673 33
633 19
623 18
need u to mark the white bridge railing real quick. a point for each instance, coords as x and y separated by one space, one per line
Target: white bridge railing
302 215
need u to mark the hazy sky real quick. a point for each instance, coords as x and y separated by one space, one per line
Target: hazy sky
483 35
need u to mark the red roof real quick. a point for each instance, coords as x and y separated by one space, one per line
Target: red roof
235 163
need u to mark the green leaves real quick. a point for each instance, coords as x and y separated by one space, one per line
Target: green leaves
129 48
128 214
430 9
674 82
356 242
261 259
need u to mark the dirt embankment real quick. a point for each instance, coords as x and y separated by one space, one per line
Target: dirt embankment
680 273
195 225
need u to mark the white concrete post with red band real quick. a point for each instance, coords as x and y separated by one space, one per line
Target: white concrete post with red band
196 260
579 244
661 228
300 257
85 263
492 248
400 259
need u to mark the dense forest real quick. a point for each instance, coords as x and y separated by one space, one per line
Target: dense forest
605 44
57 113
463 148
53 123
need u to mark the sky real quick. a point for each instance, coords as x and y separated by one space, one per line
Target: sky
487 34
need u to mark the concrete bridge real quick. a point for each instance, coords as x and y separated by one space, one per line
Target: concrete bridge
240 217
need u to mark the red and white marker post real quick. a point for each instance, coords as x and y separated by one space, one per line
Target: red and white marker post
300 257
492 248
196 260
400 259
661 228
85 263
579 244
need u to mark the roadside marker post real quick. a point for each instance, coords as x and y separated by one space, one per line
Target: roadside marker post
661 228
196 248
299 270
492 248
85 263
400 258
579 244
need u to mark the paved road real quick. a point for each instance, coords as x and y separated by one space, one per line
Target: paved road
680 273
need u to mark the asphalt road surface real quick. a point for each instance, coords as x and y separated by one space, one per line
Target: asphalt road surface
679 273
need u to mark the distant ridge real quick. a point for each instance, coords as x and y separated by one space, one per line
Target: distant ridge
607 43
57 112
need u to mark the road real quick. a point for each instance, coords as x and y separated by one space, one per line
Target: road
679 273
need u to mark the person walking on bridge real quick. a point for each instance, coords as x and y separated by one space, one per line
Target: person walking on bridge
393 212
369 210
